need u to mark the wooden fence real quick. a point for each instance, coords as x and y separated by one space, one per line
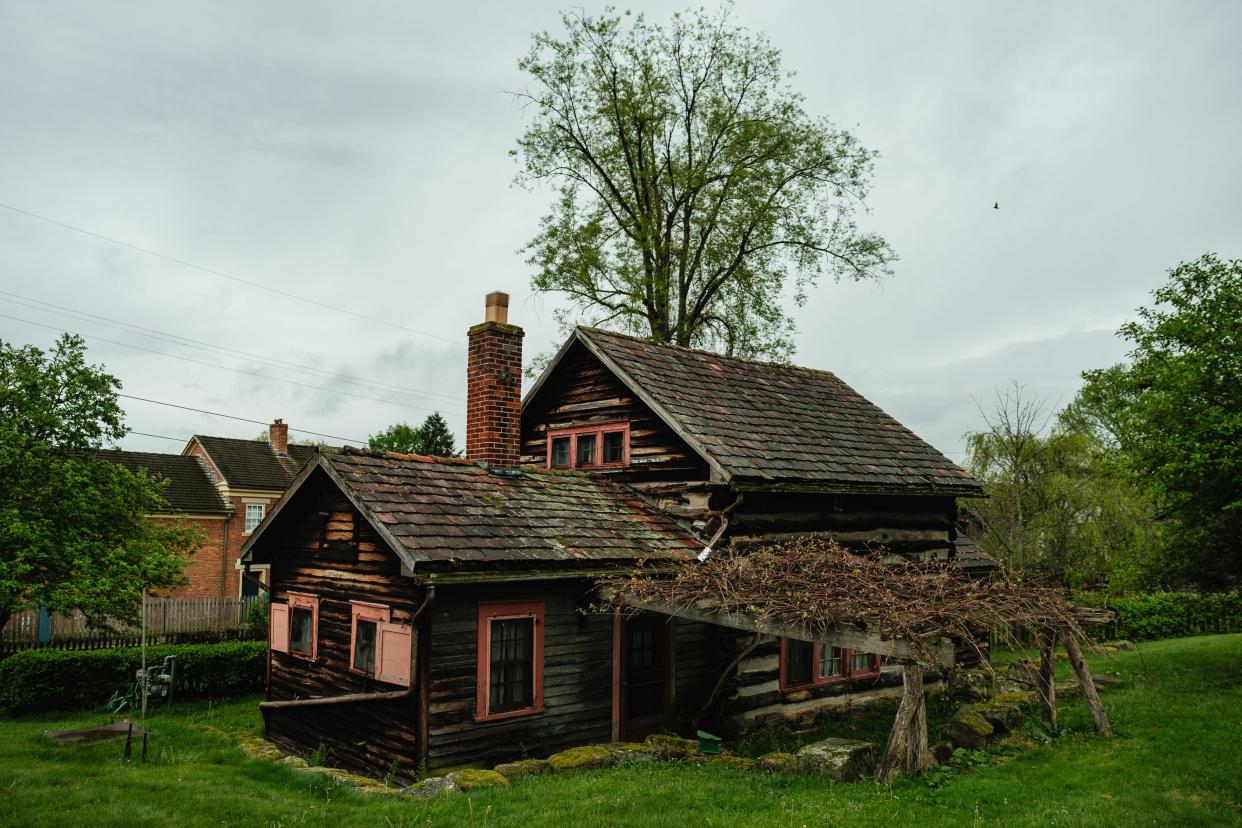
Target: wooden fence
169 621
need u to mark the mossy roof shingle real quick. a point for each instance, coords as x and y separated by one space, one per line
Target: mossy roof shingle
447 510
253 464
771 423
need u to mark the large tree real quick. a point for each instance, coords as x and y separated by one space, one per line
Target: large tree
691 183
1177 412
73 528
432 438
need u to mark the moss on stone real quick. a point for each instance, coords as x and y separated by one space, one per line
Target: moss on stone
1021 698
778 762
523 768
968 729
587 756
633 752
474 778
739 762
667 746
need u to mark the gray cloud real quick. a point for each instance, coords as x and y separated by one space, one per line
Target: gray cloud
358 155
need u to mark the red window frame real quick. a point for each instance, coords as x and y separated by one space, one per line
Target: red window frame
489 612
304 601
598 431
847 672
362 610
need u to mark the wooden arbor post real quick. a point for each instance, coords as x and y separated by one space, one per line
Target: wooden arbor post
1086 684
1046 680
907 750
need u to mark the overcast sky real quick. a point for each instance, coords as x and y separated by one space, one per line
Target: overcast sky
356 154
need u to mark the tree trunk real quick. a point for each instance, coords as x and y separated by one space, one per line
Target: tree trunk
1046 685
907 751
1087 685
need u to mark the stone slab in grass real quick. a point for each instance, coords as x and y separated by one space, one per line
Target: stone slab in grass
523 768
434 786
968 729
739 762
587 756
673 747
633 752
845 760
778 762
472 779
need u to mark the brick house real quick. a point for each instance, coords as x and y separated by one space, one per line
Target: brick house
223 486
249 475
191 498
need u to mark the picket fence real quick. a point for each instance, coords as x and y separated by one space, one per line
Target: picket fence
169 621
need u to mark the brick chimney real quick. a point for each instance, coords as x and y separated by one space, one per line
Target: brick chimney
278 437
494 387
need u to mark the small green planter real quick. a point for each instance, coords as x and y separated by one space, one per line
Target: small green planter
708 743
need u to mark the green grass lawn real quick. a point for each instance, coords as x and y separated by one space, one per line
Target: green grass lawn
1177 760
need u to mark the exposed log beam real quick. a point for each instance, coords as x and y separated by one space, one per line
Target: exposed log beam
936 651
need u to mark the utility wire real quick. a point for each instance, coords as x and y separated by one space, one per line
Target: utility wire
224 275
198 344
225 367
158 436
232 417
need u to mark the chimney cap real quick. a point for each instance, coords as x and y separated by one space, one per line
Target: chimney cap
497 307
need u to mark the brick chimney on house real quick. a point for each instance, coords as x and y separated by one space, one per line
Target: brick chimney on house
278 436
494 387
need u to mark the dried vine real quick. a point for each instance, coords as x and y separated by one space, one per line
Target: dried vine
815 583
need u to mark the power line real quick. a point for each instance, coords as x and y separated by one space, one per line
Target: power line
224 275
224 367
158 436
233 417
185 341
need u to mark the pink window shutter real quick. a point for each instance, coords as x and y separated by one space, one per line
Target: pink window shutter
396 646
278 623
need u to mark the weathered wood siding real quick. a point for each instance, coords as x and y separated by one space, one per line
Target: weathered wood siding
577 676
582 392
327 550
912 526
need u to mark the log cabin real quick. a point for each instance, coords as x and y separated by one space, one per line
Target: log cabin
433 613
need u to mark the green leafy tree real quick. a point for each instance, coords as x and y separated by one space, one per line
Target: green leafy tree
73 528
433 438
1061 505
690 182
1178 413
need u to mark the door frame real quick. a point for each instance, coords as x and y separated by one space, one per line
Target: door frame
619 723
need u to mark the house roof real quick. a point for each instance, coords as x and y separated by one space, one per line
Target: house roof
774 424
253 464
969 556
446 510
189 488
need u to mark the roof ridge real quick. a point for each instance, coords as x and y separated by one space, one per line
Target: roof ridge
763 363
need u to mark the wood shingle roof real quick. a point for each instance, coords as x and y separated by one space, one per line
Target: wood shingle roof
447 510
776 424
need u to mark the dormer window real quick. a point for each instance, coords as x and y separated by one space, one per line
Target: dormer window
589 447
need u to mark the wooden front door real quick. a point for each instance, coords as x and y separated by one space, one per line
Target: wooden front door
643 660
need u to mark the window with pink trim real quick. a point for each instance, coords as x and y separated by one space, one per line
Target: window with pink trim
601 446
807 664
303 626
510 660
364 636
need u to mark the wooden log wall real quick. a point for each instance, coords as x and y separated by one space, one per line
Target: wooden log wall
577 678
327 550
916 527
583 392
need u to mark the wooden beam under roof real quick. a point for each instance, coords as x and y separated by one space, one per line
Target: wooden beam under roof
937 651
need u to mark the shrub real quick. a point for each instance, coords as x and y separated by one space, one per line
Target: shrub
256 617
1172 614
33 681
